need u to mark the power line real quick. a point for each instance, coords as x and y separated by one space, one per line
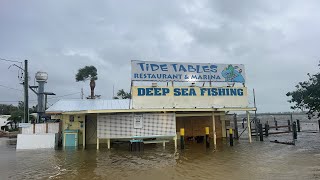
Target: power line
8 60
64 95
10 88
19 101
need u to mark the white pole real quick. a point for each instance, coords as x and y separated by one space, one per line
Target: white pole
108 143
97 143
175 143
84 133
214 130
249 128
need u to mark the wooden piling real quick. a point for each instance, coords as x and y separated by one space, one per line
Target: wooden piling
231 136
294 128
260 132
289 126
266 127
298 125
182 138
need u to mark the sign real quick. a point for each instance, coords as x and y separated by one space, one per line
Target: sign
24 125
187 72
138 121
189 97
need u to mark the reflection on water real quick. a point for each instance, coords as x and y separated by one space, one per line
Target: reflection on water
259 160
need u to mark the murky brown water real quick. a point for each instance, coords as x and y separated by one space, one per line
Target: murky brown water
258 160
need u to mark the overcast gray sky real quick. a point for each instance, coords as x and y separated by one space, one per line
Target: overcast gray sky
277 41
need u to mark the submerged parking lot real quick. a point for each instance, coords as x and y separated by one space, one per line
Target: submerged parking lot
258 160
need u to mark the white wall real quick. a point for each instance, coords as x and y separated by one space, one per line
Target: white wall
37 141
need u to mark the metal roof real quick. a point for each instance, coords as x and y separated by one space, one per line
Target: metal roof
68 105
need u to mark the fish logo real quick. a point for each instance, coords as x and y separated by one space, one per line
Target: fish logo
233 74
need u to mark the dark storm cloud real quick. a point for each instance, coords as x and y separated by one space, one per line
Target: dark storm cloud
277 41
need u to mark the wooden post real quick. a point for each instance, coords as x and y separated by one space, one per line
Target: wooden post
276 124
97 143
214 130
231 137
260 132
249 126
34 128
266 127
298 124
46 127
207 137
289 126
294 128
319 124
182 138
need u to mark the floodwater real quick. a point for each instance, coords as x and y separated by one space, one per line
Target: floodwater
258 160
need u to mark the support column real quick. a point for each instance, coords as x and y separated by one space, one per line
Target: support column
84 134
97 143
175 142
214 130
249 127
108 143
223 125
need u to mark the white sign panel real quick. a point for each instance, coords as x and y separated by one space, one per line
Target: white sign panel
187 72
138 121
24 125
189 97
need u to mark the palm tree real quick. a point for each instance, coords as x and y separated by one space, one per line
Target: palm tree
88 73
121 94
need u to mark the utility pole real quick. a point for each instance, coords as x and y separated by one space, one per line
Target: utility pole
112 90
26 93
254 102
81 93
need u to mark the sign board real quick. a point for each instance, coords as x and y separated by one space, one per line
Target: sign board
138 121
187 72
189 97
24 125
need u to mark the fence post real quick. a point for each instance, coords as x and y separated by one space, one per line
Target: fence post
182 138
34 128
289 126
266 127
231 136
294 128
261 132
298 124
276 123
207 137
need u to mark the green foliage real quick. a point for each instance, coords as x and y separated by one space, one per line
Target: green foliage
121 94
16 116
307 95
87 73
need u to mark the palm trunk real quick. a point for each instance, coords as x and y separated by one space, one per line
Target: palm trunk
92 86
